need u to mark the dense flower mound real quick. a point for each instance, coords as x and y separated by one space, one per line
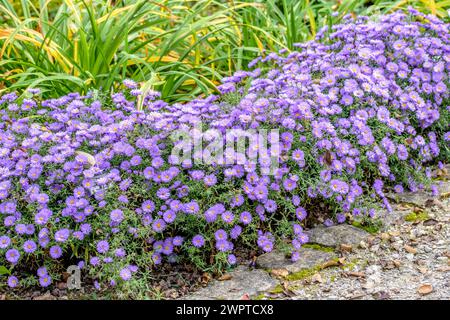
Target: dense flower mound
92 179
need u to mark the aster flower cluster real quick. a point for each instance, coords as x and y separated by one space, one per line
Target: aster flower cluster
363 111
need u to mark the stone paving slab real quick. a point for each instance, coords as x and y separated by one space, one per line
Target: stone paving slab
244 281
309 258
336 235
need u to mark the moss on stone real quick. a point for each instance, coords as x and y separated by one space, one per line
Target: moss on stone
413 216
351 265
259 296
277 289
371 227
302 274
318 247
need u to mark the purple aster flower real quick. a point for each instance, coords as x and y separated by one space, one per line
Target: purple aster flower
303 238
169 216
301 213
235 232
177 241
29 246
156 258
12 256
220 235
295 256
13 281
245 217
159 225
223 245
297 228
56 252
289 184
191 207
167 247
210 180
270 206
130 84
125 274
42 271
116 216
62 235
120 253
237 201
340 218
86 228
148 206
228 217
45 281
102 246
231 259
94 261
5 241
198 241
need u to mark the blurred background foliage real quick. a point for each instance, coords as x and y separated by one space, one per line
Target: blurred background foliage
181 48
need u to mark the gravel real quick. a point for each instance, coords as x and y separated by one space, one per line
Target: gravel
385 269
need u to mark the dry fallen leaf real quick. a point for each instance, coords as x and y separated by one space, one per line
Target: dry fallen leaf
381 295
245 297
46 296
385 236
403 207
61 285
356 296
356 274
225 277
440 172
317 278
394 233
346 247
410 249
425 289
286 290
443 269
330 263
206 277
418 210
279 273
422 270
367 285
430 222
445 195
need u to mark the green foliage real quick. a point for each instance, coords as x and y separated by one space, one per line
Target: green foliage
180 48
4 271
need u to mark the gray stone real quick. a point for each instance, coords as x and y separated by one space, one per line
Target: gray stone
418 198
336 235
243 281
309 258
443 187
390 218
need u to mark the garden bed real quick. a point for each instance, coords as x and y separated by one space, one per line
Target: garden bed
115 183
